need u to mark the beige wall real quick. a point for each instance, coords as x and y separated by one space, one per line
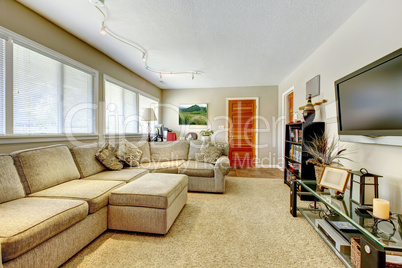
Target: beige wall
371 33
21 20
216 99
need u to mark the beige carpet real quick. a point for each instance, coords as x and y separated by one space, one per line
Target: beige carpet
248 226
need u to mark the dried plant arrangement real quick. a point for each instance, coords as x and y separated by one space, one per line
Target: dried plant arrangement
324 151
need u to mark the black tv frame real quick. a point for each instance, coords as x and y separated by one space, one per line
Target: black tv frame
368 133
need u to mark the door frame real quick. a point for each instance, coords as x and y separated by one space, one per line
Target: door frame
257 130
284 101
281 139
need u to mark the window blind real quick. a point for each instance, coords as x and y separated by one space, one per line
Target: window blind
46 91
121 109
145 102
2 87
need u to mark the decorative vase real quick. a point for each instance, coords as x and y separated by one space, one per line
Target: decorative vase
309 111
318 173
206 138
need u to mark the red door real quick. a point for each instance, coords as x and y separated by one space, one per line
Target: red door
242 132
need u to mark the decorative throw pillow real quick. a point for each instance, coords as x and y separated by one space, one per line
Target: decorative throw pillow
129 153
209 153
106 155
224 146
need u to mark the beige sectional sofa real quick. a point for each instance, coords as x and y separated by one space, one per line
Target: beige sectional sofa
178 157
53 201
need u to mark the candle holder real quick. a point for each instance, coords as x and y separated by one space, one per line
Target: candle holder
377 233
377 221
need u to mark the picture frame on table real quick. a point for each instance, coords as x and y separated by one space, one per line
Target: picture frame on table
335 178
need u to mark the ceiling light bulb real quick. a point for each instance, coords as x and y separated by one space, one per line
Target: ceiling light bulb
143 57
192 76
97 3
103 31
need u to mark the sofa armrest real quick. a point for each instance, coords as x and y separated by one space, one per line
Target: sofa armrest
221 168
222 165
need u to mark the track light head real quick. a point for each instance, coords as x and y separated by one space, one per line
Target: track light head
97 3
103 31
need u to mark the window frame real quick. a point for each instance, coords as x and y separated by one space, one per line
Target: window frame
10 137
103 110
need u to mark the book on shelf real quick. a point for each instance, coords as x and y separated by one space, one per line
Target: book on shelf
290 176
295 152
294 167
296 135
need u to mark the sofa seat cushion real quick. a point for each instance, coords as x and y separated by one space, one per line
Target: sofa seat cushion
163 167
44 167
10 183
151 191
197 169
85 159
126 175
27 222
95 193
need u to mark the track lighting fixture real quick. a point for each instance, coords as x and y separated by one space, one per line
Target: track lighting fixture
101 3
97 3
103 30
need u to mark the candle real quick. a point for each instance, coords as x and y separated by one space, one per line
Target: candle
381 208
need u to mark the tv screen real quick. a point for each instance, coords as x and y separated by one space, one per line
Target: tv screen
370 99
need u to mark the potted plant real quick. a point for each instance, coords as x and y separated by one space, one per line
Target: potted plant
324 151
206 134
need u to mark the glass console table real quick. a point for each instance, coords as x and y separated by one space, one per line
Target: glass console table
386 237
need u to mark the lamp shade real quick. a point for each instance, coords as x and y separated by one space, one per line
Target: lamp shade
149 115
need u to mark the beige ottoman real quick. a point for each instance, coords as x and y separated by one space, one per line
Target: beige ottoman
149 204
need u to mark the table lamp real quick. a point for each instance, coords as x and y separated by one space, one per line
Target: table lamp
148 115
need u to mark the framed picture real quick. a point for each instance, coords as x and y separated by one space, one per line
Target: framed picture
313 87
335 178
193 114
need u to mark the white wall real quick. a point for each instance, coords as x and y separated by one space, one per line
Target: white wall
371 33
23 21
217 111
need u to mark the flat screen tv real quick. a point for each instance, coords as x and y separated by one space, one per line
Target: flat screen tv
369 100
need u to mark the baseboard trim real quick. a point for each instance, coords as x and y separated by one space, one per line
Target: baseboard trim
268 166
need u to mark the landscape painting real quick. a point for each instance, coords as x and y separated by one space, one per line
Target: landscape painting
193 114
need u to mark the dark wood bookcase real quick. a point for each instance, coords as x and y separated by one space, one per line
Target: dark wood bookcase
297 137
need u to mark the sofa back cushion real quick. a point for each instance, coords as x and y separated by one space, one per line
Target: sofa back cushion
10 183
195 146
44 167
85 159
169 150
146 153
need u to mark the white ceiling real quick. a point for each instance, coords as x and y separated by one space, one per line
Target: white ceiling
233 43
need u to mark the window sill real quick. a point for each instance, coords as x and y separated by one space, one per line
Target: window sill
125 136
15 139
